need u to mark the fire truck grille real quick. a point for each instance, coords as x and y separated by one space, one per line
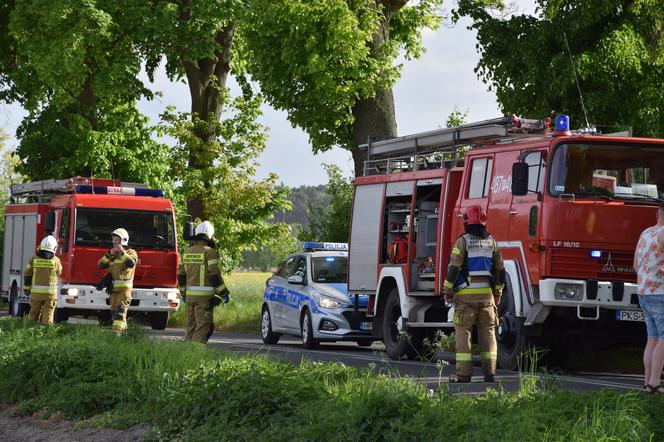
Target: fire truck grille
577 263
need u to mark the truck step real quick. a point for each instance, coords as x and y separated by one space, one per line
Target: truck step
423 294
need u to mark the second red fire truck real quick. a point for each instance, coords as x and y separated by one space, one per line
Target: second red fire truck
81 213
566 209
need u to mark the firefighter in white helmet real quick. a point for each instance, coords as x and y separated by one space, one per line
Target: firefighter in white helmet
40 280
203 286
121 262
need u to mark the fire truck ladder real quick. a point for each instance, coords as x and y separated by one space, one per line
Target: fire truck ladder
440 148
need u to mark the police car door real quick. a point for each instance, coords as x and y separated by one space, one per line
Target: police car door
279 286
296 294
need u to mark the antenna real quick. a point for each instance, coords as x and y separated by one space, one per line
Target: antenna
583 106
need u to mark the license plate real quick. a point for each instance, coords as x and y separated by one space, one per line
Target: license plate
366 325
630 315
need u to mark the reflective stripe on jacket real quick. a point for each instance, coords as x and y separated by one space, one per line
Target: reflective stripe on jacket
44 275
201 266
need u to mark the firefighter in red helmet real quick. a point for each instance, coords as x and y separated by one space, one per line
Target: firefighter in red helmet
474 283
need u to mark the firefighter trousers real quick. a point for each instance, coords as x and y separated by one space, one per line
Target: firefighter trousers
120 302
42 307
484 315
200 324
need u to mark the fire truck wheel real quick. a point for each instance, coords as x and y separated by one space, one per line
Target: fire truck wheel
16 308
509 333
398 345
307 330
268 336
158 320
60 315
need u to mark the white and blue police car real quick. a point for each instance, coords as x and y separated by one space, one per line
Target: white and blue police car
308 296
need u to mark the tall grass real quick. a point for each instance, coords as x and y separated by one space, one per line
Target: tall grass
243 313
186 391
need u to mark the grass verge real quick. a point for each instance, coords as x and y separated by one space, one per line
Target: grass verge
186 391
243 313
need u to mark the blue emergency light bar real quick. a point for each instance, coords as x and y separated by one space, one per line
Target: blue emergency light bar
596 253
312 245
110 190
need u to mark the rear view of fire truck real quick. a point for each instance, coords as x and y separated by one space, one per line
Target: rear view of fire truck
81 213
566 209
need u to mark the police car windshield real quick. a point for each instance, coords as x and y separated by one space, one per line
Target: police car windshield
609 171
147 230
329 269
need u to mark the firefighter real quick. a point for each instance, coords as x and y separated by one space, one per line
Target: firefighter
40 280
121 263
204 288
474 282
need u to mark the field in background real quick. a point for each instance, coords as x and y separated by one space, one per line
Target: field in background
243 313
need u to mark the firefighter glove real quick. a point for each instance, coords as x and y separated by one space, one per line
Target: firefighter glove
183 296
216 300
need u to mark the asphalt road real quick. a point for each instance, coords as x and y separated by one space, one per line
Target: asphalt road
434 374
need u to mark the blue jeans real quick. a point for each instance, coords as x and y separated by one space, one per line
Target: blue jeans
653 307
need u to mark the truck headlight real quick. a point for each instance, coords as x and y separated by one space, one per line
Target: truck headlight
568 292
326 302
72 292
172 296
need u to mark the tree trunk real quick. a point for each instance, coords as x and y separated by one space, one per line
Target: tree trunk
375 117
207 81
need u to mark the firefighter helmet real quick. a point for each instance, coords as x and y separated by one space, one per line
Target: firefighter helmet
49 244
122 234
205 228
474 215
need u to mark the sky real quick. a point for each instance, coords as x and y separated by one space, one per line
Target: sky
429 90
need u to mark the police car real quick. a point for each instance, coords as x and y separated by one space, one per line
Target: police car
308 296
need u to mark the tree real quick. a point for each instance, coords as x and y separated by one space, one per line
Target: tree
618 51
239 206
331 222
73 66
196 38
331 64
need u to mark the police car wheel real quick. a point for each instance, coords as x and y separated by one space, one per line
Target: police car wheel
306 328
268 336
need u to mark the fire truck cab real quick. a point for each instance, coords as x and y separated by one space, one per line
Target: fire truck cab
566 209
81 213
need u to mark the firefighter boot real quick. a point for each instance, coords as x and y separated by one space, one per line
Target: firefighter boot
487 322
463 322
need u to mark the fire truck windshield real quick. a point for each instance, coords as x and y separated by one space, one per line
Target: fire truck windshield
608 171
147 230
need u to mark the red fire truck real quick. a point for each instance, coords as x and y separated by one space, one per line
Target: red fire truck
81 213
566 209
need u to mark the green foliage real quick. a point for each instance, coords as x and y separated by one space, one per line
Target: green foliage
456 118
73 66
618 52
188 392
236 203
331 222
316 60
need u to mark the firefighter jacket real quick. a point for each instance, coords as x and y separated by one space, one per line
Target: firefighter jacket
476 267
121 267
41 275
200 271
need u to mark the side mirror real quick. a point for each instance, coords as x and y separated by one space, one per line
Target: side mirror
49 223
520 179
296 279
188 230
